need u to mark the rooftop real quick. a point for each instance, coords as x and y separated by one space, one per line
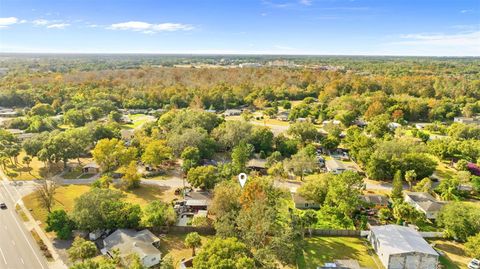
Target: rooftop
395 239
129 241
426 201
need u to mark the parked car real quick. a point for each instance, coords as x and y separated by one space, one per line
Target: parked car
3 206
474 264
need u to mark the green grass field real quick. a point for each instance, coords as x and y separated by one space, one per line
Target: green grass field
319 250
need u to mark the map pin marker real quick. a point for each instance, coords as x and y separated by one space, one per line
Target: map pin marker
242 178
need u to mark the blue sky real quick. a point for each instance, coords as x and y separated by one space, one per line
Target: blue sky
347 27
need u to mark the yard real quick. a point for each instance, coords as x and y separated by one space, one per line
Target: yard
22 171
319 250
172 245
454 254
66 195
138 120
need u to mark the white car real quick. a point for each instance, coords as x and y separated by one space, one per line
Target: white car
474 264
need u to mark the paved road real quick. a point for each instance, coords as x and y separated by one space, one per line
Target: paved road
18 250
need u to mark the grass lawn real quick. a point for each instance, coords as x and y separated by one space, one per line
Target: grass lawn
172 245
23 172
66 195
137 120
319 250
444 171
454 257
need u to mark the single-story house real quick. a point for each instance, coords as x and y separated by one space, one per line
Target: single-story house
400 247
197 200
376 200
466 120
425 203
8 113
283 116
232 112
335 166
91 168
144 243
302 203
257 164
394 125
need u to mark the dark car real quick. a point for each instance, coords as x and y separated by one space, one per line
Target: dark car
3 206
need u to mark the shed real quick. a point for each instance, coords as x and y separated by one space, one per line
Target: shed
400 247
196 200
257 164
91 168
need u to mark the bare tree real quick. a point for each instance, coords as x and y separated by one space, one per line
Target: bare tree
46 192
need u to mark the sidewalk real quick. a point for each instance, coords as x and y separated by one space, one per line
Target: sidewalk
31 224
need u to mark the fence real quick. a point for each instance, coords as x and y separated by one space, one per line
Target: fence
319 232
182 230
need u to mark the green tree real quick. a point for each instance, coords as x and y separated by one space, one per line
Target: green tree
304 131
59 222
425 185
301 164
133 261
81 249
240 156
190 157
405 212
112 153
224 253
448 189
204 177
231 133
472 246
131 178
156 152
459 219
193 240
397 185
410 176
309 219
157 214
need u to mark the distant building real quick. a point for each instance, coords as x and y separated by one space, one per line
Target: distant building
283 116
91 168
302 203
466 120
400 247
232 112
424 202
257 165
335 166
249 65
394 125
8 113
143 243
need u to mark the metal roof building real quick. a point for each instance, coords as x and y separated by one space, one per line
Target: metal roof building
400 247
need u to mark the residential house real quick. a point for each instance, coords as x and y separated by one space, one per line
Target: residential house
400 247
335 166
91 168
257 165
197 200
232 112
302 203
377 201
466 120
143 243
425 203
283 116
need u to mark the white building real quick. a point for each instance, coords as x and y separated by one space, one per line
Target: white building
400 247
335 166
424 202
128 242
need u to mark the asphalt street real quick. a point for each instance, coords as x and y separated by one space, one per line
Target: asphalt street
18 250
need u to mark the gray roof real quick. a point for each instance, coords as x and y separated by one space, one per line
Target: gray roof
426 201
197 198
376 199
91 165
257 163
396 239
129 241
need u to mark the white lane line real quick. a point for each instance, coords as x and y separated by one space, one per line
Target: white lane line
23 232
3 256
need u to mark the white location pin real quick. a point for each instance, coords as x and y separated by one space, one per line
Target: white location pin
242 178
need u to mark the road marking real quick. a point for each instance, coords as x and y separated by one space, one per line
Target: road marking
22 260
3 256
23 232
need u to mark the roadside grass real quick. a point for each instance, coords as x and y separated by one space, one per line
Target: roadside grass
269 121
173 245
65 198
23 172
454 253
319 250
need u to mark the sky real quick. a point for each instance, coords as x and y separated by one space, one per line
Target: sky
311 27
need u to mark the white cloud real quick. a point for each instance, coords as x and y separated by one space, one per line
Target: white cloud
306 2
459 39
58 26
41 22
149 28
5 22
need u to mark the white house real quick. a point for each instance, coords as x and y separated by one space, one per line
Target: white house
424 202
128 242
400 247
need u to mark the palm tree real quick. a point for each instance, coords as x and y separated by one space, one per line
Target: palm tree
193 240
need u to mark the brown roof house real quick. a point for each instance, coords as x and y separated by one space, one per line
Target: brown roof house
143 243
91 168
425 203
302 203
376 200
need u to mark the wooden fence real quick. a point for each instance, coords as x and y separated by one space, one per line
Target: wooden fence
329 232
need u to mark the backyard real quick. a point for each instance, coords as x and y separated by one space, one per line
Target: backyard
319 250
453 253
